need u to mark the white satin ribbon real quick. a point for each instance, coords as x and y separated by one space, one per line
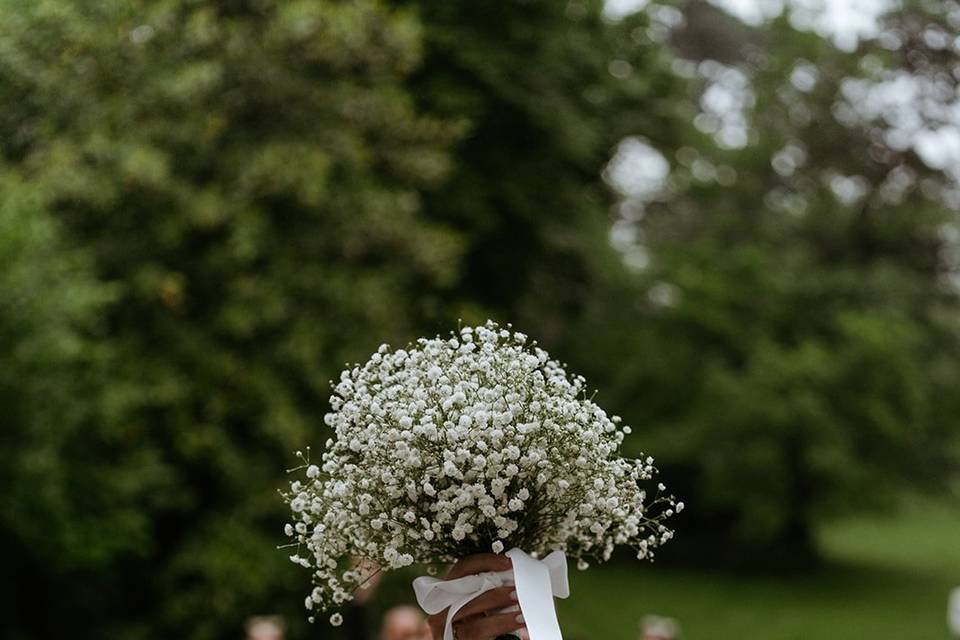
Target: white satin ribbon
537 583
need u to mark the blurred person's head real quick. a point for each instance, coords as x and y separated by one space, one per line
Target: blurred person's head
404 623
264 628
657 628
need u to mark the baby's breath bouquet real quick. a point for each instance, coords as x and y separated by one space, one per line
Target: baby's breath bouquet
477 442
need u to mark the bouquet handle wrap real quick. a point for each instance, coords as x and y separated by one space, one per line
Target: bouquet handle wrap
537 583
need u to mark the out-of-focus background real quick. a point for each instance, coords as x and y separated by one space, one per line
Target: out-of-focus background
740 220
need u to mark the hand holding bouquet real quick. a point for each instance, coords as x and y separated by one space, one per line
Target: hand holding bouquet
493 613
471 444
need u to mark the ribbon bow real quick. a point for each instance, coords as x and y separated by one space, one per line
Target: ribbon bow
537 583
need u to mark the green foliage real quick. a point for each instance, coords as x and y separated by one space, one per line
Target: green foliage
796 344
246 177
208 206
267 199
543 112
67 471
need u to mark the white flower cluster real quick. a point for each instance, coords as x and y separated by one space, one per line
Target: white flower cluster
475 443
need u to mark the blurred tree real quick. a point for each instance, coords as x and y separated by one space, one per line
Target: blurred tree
256 182
795 340
246 175
67 472
272 188
547 89
266 199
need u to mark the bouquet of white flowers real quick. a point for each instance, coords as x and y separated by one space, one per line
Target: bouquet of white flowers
474 443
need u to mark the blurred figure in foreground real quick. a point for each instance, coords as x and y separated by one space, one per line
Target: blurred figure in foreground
265 628
657 628
405 623
953 613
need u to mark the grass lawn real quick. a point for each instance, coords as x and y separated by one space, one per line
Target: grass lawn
887 579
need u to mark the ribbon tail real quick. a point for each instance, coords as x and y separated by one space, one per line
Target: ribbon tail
448 627
557 564
535 594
